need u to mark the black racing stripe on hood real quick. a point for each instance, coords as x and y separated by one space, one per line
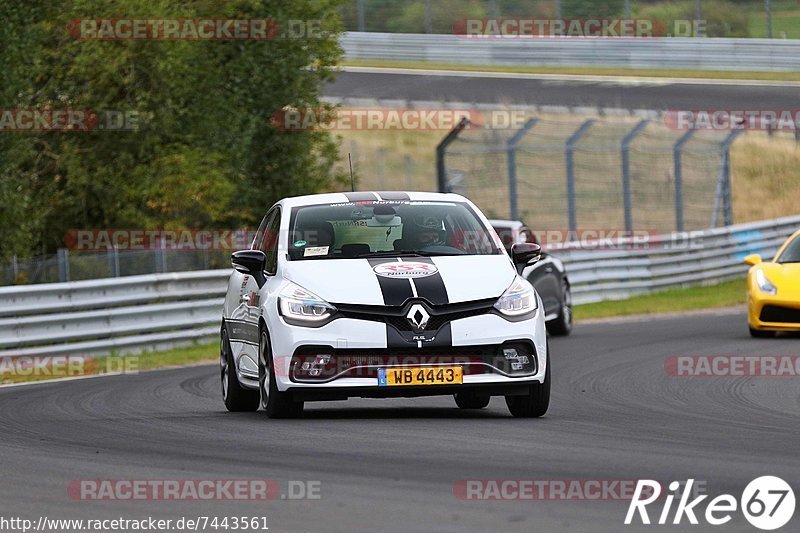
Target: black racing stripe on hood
395 291
361 197
432 288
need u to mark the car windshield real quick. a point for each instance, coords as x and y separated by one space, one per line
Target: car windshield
381 228
791 254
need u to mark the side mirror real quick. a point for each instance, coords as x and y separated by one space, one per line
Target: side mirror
249 261
752 259
524 254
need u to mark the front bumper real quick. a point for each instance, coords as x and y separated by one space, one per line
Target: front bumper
474 345
773 313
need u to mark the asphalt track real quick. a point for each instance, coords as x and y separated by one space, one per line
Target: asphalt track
624 93
390 465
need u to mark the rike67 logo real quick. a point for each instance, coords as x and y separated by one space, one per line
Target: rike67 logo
767 503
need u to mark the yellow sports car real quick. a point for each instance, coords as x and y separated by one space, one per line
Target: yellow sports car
773 291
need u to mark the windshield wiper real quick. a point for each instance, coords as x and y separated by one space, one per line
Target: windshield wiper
397 253
412 253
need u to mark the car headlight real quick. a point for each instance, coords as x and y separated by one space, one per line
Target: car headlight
766 286
299 304
519 299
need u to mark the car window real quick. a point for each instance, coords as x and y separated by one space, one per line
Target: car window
260 232
269 242
526 235
364 229
791 254
506 235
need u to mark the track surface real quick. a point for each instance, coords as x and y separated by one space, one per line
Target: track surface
661 95
391 464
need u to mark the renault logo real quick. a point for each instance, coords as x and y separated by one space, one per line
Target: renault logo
418 317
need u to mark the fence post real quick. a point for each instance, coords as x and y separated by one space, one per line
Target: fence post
62 256
727 203
626 173
677 158
570 150
379 168
511 149
441 148
408 168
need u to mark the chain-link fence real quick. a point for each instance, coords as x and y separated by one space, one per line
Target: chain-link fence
75 266
575 173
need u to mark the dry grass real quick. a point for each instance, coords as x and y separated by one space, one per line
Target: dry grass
765 173
765 177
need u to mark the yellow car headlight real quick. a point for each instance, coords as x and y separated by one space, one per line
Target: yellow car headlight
766 286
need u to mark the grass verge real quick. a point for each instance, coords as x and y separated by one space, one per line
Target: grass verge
582 71
20 370
670 301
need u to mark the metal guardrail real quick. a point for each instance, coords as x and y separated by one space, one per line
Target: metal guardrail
660 53
679 260
163 310
125 314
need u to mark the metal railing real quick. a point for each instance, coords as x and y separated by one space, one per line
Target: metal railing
650 53
163 310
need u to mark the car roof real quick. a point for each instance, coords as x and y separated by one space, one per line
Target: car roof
512 224
344 197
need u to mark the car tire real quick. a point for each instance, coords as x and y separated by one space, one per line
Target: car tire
277 404
471 400
535 403
236 397
562 325
761 333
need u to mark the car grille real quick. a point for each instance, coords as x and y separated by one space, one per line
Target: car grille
775 313
396 316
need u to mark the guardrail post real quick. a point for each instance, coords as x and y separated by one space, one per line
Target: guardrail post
14 269
570 153
62 257
511 149
441 148
677 158
626 173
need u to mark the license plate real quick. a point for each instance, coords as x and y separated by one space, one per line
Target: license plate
429 375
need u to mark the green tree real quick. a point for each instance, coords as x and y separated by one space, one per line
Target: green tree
205 152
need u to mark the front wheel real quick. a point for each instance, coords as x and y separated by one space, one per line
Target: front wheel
535 403
277 404
562 324
236 397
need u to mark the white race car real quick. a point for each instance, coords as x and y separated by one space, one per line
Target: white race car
377 295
